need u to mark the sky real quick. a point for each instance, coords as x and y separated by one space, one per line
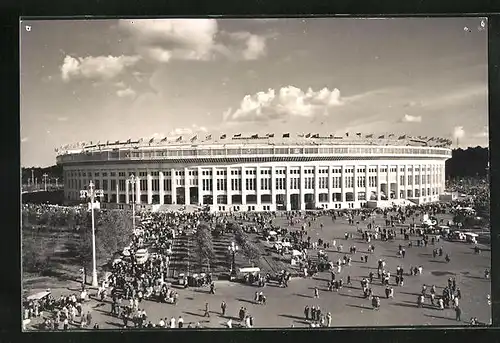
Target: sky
100 80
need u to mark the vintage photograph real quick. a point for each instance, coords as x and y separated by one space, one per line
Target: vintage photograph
248 173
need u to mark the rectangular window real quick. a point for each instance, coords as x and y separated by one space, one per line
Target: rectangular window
156 185
113 184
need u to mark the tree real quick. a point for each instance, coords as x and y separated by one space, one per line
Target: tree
251 251
204 245
112 229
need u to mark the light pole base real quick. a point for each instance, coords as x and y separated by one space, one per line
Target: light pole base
94 279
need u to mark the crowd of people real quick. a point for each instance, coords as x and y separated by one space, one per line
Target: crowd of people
132 279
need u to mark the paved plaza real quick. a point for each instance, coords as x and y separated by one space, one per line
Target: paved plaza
285 306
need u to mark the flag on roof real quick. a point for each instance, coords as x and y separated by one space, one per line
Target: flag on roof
358 134
308 135
391 135
209 137
286 135
151 140
164 139
179 139
194 138
402 137
369 136
237 135
301 135
255 136
270 135
316 135
129 140
331 136
381 137
107 142
223 136
117 142
347 134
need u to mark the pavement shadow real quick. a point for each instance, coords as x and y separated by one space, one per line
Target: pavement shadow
476 277
193 314
246 301
300 320
360 306
440 317
438 261
303 295
202 291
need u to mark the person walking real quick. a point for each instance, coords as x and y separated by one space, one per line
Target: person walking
458 314
316 292
223 308
207 312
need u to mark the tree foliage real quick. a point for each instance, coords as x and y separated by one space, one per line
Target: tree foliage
204 245
248 248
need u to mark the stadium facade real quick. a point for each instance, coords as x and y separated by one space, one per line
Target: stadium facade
259 173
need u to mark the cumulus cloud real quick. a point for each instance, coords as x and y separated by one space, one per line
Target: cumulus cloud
288 101
96 68
412 119
458 132
188 130
128 92
164 40
254 45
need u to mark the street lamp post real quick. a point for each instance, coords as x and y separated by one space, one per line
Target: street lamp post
132 182
92 193
45 181
233 248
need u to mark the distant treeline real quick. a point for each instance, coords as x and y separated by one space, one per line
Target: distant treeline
470 162
52 172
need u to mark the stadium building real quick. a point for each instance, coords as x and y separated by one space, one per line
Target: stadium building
253 173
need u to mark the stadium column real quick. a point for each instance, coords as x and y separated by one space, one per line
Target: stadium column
316 186
243 187
117 189
174 186
186 187
127 191
200 186
257 186
405 185
342 184
229 196
214 187
379 195
355 183
287 186
302 201
273 188
150 187
162 189
330 186
398 174
137 190
366 184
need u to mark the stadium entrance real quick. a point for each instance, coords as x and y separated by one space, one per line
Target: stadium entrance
295 202
309 200
280 202
193 196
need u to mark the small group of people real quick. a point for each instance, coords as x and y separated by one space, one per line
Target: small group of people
316 317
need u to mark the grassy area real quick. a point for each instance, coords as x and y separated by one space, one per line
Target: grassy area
268 260
62 266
